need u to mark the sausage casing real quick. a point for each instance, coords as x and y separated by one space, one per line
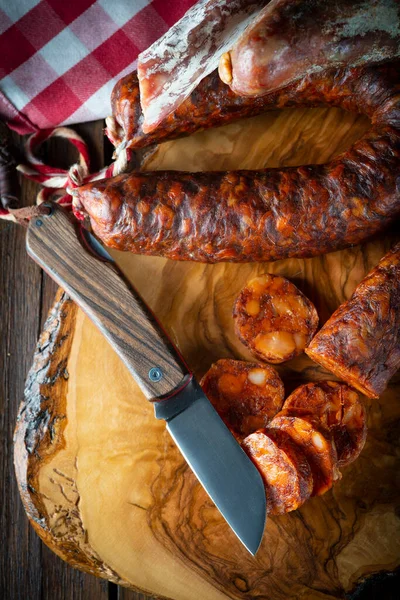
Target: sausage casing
360 343
173 66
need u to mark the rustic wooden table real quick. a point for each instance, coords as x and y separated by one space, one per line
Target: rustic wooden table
28 569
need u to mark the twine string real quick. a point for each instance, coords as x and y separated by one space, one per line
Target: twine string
58 184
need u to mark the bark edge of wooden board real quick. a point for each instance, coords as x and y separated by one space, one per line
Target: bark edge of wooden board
44 402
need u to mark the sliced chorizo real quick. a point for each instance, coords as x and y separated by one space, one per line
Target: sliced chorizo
338 409
245 395
317 446
242 216
360 343
274 319
284 468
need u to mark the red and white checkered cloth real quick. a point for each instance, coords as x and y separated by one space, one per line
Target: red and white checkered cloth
59 59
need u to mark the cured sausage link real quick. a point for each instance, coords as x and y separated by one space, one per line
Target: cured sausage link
271 214
297 39
360 343
211 104
291 37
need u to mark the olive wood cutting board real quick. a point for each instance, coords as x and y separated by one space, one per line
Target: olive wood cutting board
101 480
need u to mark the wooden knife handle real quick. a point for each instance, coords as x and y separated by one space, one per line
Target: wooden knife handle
110 302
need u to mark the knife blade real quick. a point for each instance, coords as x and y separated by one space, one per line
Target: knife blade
89 275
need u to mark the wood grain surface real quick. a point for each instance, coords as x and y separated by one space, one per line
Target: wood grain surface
104 485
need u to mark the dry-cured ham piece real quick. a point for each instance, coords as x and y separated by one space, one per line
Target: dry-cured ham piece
338 410
292 38
283 467
270 214
173 66
245 395
274 319
316 445
360 343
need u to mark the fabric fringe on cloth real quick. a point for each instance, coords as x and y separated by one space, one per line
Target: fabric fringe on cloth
58 183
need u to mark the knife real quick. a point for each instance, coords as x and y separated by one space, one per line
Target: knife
79 263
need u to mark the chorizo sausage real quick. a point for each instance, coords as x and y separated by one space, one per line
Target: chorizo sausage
173 66
245 395
292 37
211 104
317 446
274 319
330 32
271 214
284 468
360 343
338 410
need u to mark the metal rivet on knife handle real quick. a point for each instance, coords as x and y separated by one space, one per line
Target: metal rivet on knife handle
155 374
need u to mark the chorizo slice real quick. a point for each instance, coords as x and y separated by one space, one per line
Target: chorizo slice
360 343
338 409
245 395
317 446
271 214
284 468
274 319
